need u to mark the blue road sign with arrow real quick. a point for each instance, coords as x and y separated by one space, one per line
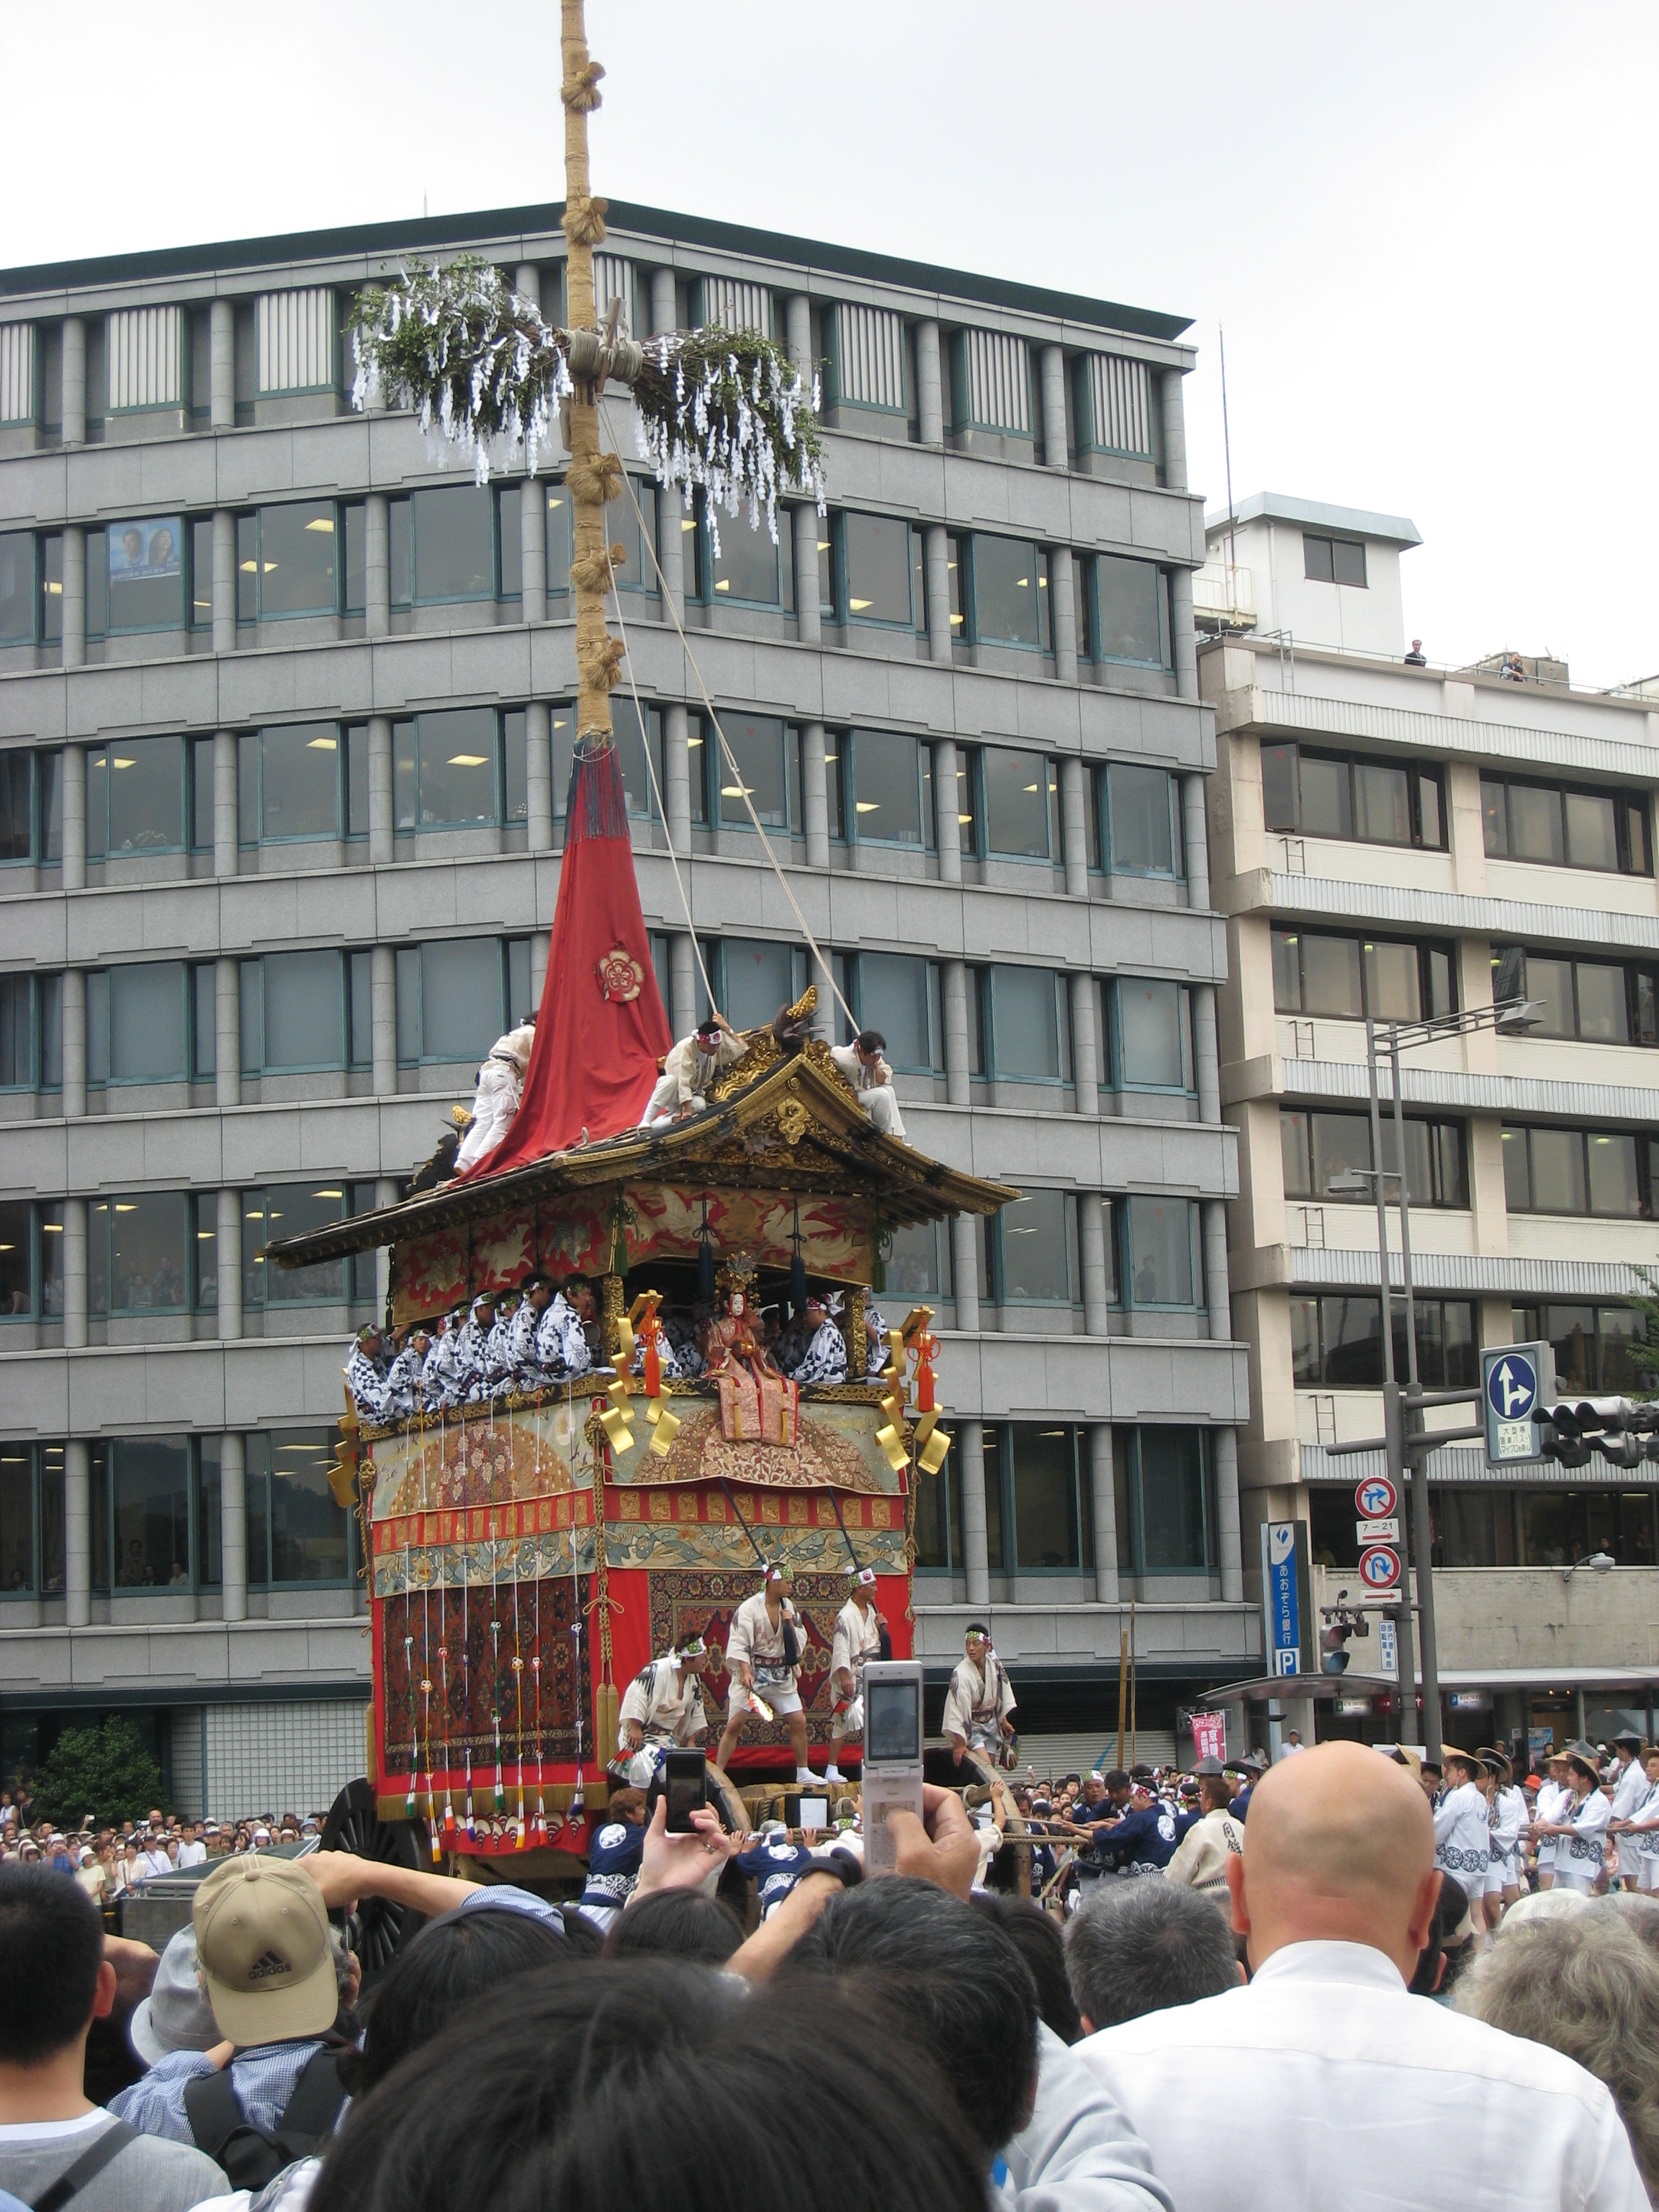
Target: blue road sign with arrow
1515 1380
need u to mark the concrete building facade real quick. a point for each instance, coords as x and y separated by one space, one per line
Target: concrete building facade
284 735
1405 840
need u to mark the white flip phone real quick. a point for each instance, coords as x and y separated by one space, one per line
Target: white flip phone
892 1755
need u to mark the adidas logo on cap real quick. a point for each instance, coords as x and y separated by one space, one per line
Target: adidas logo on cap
270 1963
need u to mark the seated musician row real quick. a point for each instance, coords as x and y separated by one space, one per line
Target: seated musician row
516 1342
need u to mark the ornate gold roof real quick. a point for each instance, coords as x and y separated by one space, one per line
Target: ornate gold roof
783 1119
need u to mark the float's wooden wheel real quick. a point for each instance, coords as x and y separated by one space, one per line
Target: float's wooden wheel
354 1824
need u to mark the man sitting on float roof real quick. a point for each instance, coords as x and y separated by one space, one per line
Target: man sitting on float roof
864 1064
689 1068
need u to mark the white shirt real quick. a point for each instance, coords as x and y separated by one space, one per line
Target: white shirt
857 1638
667 1712
192 1854
1076 2153
150 1863
1629 1791
1353 2093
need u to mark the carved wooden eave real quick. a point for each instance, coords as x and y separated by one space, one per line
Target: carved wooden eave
778 1120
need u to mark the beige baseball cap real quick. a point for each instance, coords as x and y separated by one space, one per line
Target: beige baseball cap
262 1941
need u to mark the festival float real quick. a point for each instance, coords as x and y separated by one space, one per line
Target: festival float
527 1556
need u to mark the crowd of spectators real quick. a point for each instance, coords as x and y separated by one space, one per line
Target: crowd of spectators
923 2041
109 1858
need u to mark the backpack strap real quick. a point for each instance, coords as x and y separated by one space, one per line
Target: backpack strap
214 2111
109 2144
308 2117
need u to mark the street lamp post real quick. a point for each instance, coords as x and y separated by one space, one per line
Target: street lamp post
1406 1439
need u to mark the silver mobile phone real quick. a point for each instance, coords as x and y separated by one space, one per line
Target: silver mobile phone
892 1755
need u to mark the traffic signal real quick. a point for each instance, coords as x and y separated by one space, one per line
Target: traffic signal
1334 1647
1573 1432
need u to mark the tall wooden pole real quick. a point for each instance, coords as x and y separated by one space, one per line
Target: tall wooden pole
597 652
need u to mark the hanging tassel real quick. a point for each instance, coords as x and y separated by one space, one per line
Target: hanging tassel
705 1258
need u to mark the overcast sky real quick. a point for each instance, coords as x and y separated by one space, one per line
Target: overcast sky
1427 229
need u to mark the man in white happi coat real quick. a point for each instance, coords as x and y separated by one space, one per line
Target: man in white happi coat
1628 1788
864 1064
979 1702
824 1359
689 1068
1462 1837
501 1089
857 1638
440 1379
497 1377
472 1347
1581 1826
1554 1795
1639 1848
524 1372
663 1704
366 1375
403 1381
758 1663
561 1345
1201 1857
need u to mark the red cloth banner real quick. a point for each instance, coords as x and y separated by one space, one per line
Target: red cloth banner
1210 1735
601 1028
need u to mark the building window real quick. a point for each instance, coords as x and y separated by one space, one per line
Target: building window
747 569
136 576
1608 1172
285 561
1334 560
457 995
757 769
1318 1147
306 1013
881 788
1141 834
140 1254
308 780
1111 398
1008 596
1017 815
30 1519
144 1532
731 304
30 1261
20 373
1159 1264
754 977
1165 1498
918 1264
1037 1513
298 349
138 799
19 615
296 1533
938 1519
1604 829
866 349
31 1032
1336 1341
1349 977
1593 1345
1148 1029
138 1023
1596 1001
991 382
636 571
1374 802
1023 1024
461 769
897 994
299 1209
442 544
147 349
1126 611
879 560
1034 1251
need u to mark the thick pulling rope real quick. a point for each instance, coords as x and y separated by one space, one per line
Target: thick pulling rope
667 597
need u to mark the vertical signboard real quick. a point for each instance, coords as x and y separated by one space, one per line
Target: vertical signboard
1283 1571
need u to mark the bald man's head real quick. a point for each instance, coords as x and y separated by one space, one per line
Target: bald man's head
1339 1847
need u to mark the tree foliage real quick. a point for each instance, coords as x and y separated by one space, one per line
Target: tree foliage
103 1771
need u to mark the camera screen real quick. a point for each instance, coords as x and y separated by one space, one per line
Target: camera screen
686 1792
892 1721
